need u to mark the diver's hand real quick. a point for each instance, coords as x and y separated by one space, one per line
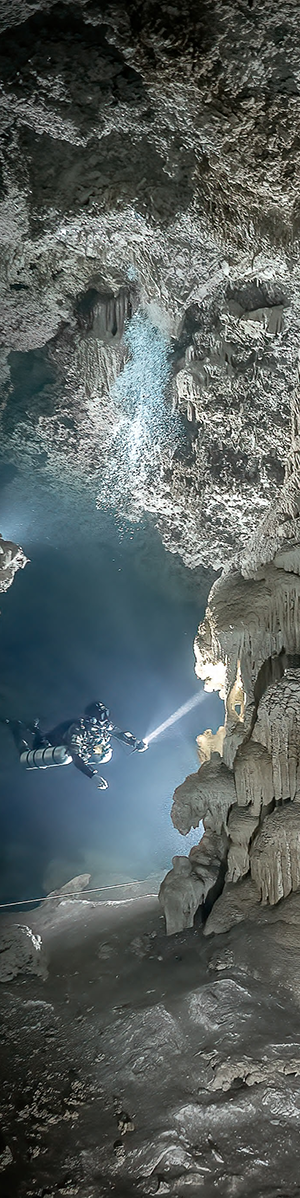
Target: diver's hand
101 783
138 746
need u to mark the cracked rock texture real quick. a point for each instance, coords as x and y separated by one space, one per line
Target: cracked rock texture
12 559
150 161
174 1070
248 648
20 952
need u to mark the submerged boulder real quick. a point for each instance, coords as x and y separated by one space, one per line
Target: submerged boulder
21 951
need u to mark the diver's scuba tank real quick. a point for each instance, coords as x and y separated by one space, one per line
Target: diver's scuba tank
41 759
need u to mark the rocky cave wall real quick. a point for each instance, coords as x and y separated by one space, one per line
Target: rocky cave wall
150 188
150 161
247 790
12 559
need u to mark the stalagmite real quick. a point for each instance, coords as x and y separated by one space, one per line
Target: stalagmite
238 901
180 895
207 795
192 878
207 857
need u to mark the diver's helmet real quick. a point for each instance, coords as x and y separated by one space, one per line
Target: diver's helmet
98 711
103 713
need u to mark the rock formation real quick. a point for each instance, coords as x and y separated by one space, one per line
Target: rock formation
12 559
275 855
144 165
248 647
206 795
149 290
277 727
253 776
149 254
21 951
181 893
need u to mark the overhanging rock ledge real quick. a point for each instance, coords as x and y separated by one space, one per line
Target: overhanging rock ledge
145 164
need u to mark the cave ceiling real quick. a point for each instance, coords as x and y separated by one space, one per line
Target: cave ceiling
150 161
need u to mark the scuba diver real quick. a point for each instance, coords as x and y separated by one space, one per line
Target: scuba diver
86 742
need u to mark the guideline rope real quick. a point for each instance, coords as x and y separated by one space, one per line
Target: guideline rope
74 893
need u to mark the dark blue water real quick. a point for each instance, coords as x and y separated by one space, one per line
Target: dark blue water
98 613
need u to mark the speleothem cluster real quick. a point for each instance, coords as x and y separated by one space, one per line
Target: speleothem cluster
247 790
149 159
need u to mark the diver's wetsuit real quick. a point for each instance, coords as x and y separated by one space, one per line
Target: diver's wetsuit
87 739
81 737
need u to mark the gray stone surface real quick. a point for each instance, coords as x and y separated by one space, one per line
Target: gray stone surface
172 1071
21 951
152 149
12 559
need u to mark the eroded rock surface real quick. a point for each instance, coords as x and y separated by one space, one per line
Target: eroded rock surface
277 728
12 559
181 893
275 855
21 951
248 648
173 1071
145 164
205 796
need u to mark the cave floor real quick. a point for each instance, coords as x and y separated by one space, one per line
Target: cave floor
146 1065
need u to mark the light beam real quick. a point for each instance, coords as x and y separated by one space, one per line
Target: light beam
176 715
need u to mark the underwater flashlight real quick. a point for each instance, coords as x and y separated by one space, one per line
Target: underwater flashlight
141 746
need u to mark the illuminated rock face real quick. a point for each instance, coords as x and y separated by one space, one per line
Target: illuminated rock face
144 185
242 825
275 855
21 952
143 164
181 893
253 776
206 795
278 729
252 628
191 879
12 559
210 742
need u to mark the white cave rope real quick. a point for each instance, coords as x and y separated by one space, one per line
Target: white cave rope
71 894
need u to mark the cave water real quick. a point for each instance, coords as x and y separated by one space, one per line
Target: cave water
101 611
150 488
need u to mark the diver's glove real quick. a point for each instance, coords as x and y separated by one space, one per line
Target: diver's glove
138 746
141 746
101 783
